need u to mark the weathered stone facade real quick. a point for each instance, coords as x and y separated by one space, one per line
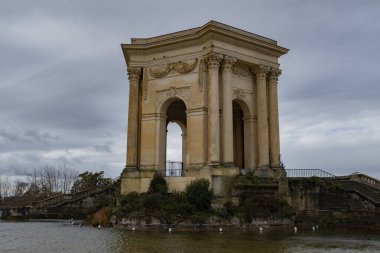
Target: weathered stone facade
219 83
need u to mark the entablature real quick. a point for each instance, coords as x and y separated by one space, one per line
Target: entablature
195 43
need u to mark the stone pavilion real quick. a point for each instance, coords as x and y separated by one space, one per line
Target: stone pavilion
219 84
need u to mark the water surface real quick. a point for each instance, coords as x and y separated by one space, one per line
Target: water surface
59 237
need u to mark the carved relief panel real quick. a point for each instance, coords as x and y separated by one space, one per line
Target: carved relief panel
181 67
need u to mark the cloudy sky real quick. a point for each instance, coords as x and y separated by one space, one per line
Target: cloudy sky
64 88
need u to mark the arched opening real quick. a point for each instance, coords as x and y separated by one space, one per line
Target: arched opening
238 133
174 149
175 142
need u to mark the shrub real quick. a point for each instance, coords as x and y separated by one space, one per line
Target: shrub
101 217
158 185
130 205
263 206
152 204
199 195
102 200
200 218
251 177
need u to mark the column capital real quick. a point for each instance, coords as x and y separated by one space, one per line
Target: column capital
261 71
274 74
228 62
213 60
134 74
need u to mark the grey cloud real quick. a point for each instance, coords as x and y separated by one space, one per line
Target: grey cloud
28 136
105 147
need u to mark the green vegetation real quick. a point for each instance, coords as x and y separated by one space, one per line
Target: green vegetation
251 177
88 180
158 185
192 205
312 182
262 207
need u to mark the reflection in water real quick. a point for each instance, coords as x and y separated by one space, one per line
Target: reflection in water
62 237
210 242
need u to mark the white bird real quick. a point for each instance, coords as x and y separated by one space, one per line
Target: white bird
261 229
313 228
133 228
170 229
99 227
220 229
317 227
295 230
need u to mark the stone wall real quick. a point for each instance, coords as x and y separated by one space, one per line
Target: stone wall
322 201
322 194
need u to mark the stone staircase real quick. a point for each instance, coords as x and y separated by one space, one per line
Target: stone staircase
365 186
64 199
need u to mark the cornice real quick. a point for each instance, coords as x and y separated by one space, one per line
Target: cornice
197 36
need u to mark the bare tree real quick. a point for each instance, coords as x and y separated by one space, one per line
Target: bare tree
5 187
19 188
52 180
43 182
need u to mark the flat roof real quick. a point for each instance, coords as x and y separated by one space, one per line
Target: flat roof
192 31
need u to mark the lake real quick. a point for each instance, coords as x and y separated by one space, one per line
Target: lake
61 236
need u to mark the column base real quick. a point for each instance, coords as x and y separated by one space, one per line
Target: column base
135 179
129 170
229 164
213 164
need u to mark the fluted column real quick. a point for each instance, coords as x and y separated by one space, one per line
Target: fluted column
227 120
274 135
134 79
213 61
261 73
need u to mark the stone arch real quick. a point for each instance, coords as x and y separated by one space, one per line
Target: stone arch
172 109
242 129
245 108
165 97
179 123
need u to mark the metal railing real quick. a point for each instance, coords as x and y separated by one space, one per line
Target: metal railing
173 169
305 173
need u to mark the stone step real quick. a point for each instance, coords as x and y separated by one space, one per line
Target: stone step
368 192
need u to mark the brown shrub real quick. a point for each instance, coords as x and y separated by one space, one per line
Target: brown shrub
101 217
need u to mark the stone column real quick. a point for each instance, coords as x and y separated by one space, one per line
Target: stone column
160 141
213 61
227 120
133 121
261 73
274 135
183 148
